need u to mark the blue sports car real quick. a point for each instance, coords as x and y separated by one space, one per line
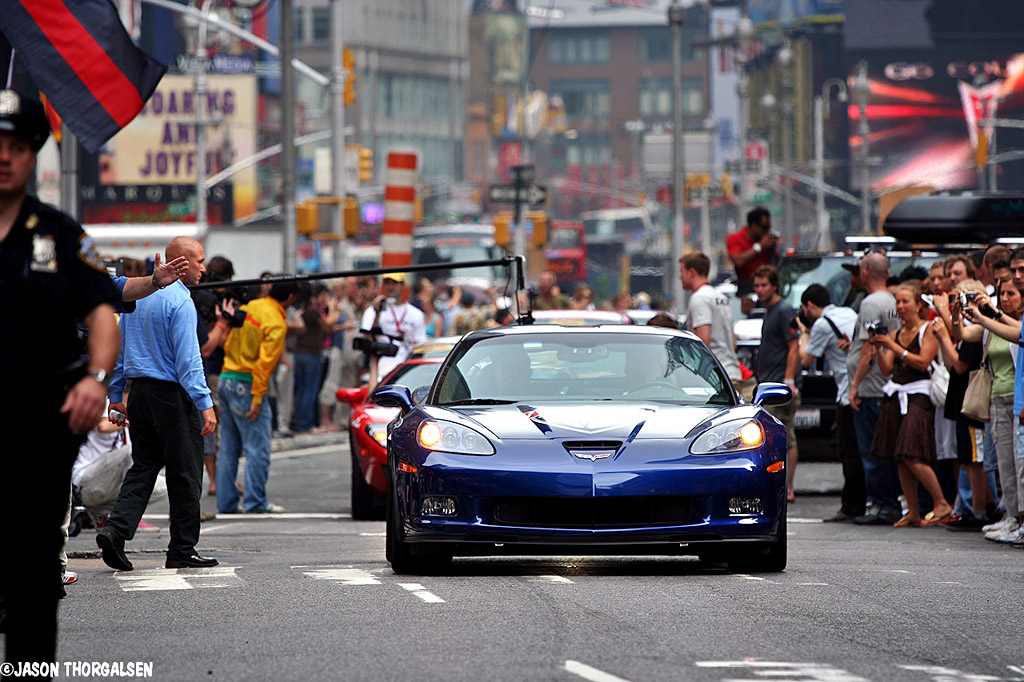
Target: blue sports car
601 440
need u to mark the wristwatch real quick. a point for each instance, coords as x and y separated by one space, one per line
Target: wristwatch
155 285
102 376
757 247
904 356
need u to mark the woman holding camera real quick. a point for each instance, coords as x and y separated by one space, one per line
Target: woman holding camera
906 431
999 329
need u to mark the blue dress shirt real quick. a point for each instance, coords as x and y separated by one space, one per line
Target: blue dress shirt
158 341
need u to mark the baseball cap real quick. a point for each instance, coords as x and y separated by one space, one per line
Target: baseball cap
853 267
23 117
396 276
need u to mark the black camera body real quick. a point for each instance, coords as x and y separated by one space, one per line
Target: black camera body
878 327
375 348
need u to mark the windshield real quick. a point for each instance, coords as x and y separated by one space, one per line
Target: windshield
426 253
575 366
413 376
796 274
564 238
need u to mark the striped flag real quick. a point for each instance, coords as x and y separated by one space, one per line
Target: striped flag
79 54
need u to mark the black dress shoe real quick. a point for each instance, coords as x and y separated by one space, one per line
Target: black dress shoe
113 551
839 517
194 561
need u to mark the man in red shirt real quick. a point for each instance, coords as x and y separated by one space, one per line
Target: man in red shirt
752 247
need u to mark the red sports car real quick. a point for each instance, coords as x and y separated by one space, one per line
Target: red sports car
368 426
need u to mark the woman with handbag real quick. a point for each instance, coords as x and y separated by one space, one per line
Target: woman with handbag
906 430
962 357
1002 357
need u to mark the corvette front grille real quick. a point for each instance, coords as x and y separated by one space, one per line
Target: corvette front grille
591 512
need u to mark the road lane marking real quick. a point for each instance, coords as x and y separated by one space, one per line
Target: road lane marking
786 672
813 584
373 535
343 576
156 579
589 673
305 452
901 571
797 519
421 592
550 579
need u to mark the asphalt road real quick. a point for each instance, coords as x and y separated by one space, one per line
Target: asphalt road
307 595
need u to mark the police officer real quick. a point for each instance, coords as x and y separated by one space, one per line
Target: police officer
50 279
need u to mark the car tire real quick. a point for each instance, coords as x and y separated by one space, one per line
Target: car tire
365 505
404 559
770 559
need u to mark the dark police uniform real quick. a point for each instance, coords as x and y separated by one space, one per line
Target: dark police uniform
50 278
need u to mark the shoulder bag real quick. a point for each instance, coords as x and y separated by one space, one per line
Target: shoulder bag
979 390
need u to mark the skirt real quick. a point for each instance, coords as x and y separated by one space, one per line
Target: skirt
902 437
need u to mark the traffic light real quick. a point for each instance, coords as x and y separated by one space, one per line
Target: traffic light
540 228
348 62
365 164
502 233
350 217
307 219
417 210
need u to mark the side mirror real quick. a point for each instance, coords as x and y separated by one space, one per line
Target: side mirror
393 396
352 396
772 393
420 394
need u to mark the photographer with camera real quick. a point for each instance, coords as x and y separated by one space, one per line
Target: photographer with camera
905 433
866 383
999 331
391 327
752 247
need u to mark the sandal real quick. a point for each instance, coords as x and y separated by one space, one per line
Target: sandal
932 520
907 522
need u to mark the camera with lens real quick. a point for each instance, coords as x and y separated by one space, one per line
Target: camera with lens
877 327
375 348
967 297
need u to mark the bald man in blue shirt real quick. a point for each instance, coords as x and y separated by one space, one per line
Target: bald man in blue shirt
169 395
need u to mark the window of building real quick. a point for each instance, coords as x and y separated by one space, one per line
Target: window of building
584 98
421 97
656 43
321 24
300 24
578 48
656 97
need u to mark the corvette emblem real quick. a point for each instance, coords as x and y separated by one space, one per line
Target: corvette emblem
592 455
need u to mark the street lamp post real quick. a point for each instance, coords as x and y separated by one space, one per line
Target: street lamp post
676 17
821 112
744 38
861 92
784 57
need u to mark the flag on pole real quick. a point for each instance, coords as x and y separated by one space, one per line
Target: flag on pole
80 55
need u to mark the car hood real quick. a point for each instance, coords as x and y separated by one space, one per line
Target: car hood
591 421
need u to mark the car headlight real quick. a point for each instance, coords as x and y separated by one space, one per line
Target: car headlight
378 432
734 436
445 436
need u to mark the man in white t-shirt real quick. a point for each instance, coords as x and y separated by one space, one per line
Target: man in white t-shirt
710 317
401 324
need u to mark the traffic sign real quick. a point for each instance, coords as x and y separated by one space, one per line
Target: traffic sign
534 195
762 196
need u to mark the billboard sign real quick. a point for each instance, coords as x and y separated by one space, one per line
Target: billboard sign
159 146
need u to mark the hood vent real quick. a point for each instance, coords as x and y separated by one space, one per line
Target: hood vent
592 449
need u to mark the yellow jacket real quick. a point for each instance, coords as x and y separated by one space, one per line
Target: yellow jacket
255 347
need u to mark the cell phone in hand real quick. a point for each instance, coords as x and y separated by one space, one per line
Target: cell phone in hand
118 416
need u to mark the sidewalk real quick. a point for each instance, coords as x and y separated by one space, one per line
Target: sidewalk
819 478
308 440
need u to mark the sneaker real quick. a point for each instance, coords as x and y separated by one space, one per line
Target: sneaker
207 516
272 508
149 527
69 577
1014 538
1007 525
963 524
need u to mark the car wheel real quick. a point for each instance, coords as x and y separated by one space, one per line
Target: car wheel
404 559
364 501
771 559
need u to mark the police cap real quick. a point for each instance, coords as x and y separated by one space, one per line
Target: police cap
23 117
